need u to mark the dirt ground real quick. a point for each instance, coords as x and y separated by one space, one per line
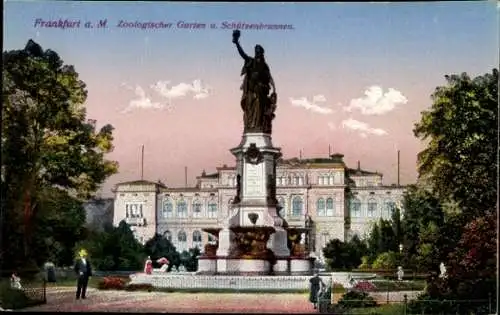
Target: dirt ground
63 300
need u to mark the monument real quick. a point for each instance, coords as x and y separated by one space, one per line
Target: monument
254 239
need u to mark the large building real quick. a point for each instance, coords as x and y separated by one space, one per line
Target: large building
341 202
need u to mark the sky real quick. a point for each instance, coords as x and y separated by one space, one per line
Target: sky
352 76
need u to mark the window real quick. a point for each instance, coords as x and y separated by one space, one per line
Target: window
281 203
181 209
196 209
329 207
355 208
212 209
211 239
297 206
389 208
320 180
168 209
182 241
168 235
330 178
372 207
301 181
320 207
197 242
134 210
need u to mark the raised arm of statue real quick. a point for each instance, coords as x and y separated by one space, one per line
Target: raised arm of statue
241 52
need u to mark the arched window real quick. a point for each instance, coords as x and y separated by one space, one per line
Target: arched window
389 207
320 207
212 209
168 235
197 241
297 206
181 209
372 207
330 207
182 241
281 203
197 205
167 209
355 208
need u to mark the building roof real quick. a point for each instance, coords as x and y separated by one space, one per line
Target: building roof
205 175
360 172
141 182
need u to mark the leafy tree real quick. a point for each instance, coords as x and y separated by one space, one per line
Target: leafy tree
116 248
460 162
46 142
159 246
421 209
344 255
387 260
190 259
60 225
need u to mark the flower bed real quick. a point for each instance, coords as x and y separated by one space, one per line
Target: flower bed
365 286
111 283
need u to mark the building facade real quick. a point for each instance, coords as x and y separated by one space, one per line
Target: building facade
340 201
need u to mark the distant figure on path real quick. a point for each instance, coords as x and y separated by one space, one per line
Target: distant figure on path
15 282
400 273
148 266
316 285
84 272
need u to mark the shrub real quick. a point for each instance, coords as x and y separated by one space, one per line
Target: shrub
111 283
12 298
354 299
139 287
387 260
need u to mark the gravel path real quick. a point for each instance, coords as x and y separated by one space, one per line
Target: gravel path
63 300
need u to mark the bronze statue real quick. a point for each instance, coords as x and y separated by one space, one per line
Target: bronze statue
257 104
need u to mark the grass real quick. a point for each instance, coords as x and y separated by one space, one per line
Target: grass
388 285
386 309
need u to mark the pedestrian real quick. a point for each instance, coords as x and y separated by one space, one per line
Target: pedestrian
84 272
148 266
15 281
316 285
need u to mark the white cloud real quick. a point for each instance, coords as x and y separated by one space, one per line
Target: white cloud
363 128
142 101
331 126
196 89
376 102
312 106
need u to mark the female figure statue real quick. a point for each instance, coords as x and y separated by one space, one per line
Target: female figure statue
258 106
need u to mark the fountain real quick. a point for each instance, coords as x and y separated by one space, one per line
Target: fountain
255 248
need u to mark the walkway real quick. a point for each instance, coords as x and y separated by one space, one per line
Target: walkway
63 300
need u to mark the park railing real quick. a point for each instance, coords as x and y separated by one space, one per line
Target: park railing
409 307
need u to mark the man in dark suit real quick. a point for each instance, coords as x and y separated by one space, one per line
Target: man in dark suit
84 272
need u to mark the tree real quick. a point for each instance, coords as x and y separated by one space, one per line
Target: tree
116 248
421 209
344 255
460 162
46 141
159 246
190 259
60 225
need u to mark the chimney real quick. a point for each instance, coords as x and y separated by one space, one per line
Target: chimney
398 168
185 176
359 166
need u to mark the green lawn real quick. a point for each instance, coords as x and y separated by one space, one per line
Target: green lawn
388 285
386 309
